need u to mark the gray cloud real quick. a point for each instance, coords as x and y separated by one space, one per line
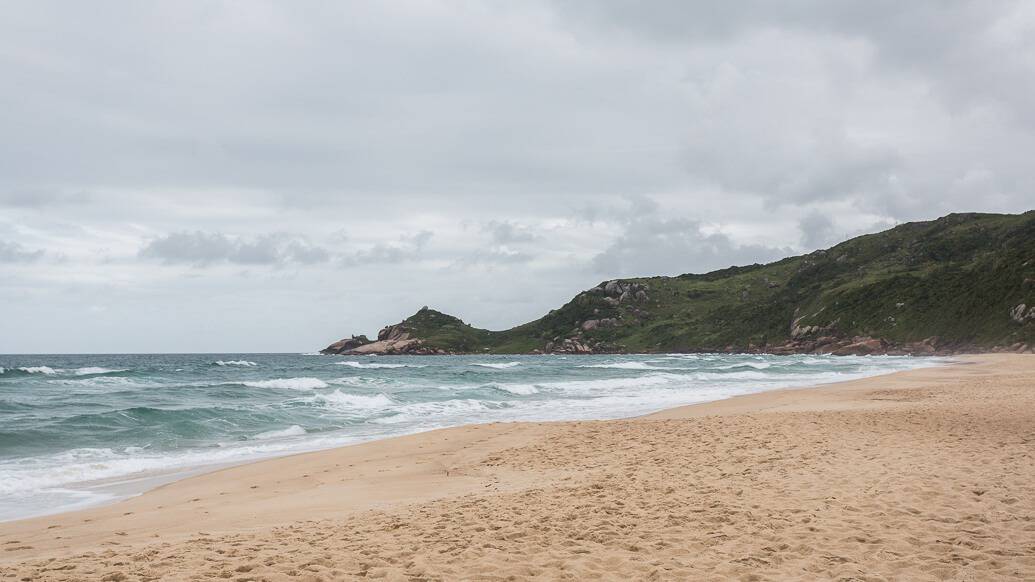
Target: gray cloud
201 249
407 248
651 244
505 232
549 142
12 252
673 247
817 230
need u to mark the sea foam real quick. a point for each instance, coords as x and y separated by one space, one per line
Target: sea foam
39 370
496 366
288 383
375 365
351 402
293 430
94 371
518 389
623 366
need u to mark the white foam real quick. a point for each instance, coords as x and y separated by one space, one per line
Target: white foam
289 383
293 430
441 413
502 366
755 365
39 370
93 370
519 389
235 363
374 365
590 387
102 381
623 366
352 402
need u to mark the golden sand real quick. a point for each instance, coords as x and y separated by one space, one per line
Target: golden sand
920 475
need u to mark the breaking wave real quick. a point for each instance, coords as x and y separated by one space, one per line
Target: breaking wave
352 402
39 370
518 389
293 430
375 365
288 383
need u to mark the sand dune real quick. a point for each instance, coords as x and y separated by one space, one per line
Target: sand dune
921 475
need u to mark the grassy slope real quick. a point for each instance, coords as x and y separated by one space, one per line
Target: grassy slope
956 278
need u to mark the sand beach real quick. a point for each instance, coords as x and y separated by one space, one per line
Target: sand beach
927 474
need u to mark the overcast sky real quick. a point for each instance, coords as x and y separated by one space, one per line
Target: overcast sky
250 176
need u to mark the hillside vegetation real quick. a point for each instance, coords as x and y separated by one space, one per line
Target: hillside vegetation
964 282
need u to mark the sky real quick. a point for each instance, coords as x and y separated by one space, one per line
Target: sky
272 176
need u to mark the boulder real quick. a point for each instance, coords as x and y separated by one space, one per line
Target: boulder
591 324
342 346
1022 314
862 347
393 332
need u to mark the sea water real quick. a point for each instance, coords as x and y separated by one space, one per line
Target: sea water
81 430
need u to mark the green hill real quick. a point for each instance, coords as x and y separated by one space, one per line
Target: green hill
964 282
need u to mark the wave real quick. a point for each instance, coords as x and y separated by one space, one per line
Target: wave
496 366
755 365
39 370
48 371
103 381
591 387
293 430
518 389
443 412
352 402
623 366
96 371
288 383
235 363
374 365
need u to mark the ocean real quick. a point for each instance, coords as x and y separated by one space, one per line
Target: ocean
78 430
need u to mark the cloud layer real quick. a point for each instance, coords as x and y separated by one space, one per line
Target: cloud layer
189 166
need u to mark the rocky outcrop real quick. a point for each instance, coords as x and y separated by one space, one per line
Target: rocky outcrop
856 346
1022 314
568 346
862 347
346 345
591 324
802 331
398 339
617 292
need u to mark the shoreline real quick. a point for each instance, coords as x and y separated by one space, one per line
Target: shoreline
116 489
493 465
121 489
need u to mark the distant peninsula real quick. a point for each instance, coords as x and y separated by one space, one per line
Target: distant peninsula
961 283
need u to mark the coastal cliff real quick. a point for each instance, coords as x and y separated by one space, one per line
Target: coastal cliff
962 283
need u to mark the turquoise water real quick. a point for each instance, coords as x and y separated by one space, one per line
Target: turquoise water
75 430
